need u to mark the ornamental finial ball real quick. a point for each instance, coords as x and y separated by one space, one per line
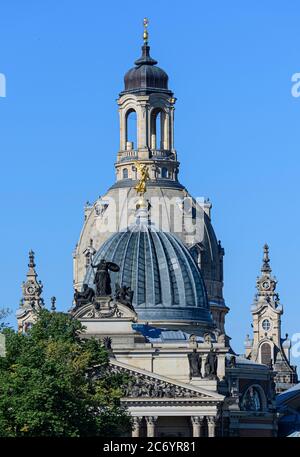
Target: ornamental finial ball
145 34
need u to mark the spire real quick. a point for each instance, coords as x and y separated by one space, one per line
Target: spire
146 34
32 288
53 304
31 301
31 259
266 283
267 346
145 58
266 261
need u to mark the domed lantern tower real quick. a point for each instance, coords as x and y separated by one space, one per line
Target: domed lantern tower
146 97
149 104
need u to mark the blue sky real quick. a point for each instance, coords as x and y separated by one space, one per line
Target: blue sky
237 131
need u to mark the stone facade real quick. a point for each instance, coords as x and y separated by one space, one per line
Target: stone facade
164 395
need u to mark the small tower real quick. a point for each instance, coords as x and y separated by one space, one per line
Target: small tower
267 346
31 301
147 99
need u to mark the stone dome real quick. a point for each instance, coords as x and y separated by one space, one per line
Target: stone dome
166 280
146 76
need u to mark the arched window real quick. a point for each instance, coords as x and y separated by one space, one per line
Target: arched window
157 130
164 172
265 354
125 173
251 400
131 127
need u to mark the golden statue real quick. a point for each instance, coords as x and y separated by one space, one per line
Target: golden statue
144 176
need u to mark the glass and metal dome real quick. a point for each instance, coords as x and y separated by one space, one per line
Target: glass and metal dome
166 280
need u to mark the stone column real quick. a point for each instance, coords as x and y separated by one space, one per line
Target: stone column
123 129
221 366
136 426
197 422
171 127
151 421
211 424
165 130
142 125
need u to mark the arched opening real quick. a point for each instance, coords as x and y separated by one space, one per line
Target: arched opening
125 173
131 129
157 129
252 400
265 354
164 173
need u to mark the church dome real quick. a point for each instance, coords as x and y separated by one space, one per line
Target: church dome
166 280
146 76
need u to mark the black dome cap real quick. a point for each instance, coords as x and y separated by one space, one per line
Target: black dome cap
146 77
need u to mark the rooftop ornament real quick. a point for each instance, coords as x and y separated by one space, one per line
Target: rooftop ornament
145 34
141 185
53 304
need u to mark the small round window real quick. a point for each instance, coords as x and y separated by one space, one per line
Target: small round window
266 325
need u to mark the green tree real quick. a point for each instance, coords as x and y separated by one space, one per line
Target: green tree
45 387
4 312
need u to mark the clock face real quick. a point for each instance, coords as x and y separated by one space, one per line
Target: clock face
30 290
266 285
266 325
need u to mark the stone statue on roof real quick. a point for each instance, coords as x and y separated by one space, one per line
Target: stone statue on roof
102 277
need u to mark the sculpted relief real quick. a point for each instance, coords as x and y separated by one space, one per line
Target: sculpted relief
142 386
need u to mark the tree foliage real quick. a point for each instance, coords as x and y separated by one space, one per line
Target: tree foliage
45 389
4 312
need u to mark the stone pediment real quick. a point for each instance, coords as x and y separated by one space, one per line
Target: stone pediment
109 309
147 386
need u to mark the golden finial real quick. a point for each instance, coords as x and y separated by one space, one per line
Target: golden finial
146 35
144 176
